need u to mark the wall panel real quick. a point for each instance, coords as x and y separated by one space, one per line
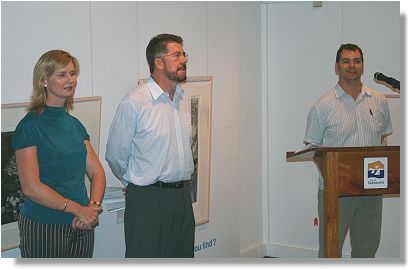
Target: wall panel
29 29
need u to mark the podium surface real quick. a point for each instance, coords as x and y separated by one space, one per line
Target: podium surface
343 172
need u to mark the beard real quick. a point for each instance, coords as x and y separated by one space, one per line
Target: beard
173 75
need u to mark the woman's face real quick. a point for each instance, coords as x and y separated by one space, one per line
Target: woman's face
61 84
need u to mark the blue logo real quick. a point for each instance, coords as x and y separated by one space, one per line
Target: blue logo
376 170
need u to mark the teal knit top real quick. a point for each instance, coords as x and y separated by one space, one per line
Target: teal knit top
59 138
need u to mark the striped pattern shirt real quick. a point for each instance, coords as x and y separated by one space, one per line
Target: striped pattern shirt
150 137
337 120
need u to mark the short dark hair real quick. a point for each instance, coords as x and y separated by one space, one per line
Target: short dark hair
158 47
349 47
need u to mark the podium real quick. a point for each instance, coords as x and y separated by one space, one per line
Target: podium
343 172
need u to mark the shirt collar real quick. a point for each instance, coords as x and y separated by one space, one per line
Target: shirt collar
339 92
156 90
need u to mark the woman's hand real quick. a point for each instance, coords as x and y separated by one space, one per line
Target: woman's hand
86 218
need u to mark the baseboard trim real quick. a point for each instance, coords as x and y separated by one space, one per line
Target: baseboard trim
256 251
282 251
278 251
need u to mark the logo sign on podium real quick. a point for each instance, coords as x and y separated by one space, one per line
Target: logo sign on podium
375 172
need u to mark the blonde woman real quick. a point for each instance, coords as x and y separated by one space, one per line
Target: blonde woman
53 154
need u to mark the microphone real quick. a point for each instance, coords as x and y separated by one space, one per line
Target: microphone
391 81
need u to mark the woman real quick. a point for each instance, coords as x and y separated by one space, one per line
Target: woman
53 154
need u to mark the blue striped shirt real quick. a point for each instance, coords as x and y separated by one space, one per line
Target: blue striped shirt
150 137
337 120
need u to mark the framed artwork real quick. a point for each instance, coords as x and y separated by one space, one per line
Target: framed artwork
198 90
87 110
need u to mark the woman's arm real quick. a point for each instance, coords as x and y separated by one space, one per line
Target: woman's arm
95 173
28 169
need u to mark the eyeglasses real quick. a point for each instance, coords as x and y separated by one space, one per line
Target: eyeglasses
177 55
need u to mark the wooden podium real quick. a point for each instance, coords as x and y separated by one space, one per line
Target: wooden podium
343 173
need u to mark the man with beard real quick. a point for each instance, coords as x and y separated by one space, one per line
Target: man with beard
350 115
149 151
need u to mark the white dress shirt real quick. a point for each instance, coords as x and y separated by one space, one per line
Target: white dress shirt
337 120
150 137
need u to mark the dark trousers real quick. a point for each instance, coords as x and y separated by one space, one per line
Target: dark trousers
39 240
159 222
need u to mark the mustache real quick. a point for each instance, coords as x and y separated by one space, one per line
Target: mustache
183 66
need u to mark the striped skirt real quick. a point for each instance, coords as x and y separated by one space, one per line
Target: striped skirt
39 240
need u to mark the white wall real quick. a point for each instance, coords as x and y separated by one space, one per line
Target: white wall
301 45
29 29
109 39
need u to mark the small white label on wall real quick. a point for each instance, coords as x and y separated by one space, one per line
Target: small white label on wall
375 172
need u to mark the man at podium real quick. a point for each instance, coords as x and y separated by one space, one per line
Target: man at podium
350 115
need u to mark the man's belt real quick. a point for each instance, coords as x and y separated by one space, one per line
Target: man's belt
160 184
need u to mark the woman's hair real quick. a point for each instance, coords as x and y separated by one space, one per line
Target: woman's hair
47 64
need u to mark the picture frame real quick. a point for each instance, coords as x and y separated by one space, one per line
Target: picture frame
199 90
86 109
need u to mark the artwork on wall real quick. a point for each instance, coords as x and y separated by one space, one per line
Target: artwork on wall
194 146
11 195
87 110
198 89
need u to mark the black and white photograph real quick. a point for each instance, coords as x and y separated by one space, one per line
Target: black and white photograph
11 194
194 147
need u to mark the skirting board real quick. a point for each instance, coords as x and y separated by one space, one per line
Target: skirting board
286 252
277 251
256 251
